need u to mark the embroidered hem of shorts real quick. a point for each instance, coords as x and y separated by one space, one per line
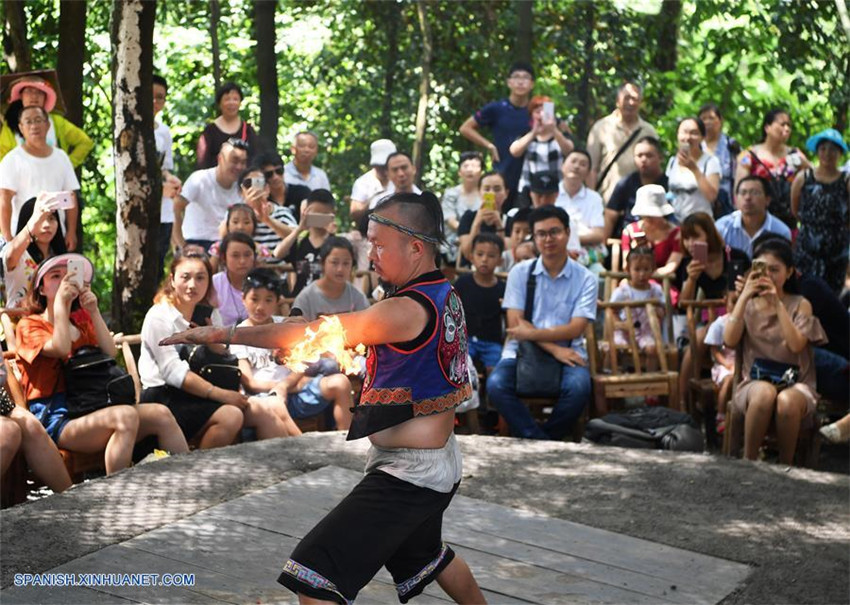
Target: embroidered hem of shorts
308 577
415 585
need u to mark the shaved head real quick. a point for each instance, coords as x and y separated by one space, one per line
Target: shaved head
422 214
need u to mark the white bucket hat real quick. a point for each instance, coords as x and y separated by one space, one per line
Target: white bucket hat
651 200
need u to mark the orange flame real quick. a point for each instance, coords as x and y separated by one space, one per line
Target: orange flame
329 338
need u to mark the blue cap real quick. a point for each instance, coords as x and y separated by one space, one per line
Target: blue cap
831 135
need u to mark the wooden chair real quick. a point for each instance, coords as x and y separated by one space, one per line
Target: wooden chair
609 381
701 397
808 440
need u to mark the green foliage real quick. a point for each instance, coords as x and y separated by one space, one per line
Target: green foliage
334 57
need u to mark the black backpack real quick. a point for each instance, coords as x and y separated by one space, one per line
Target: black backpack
93 380
655 427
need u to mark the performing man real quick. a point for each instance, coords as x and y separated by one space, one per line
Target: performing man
416 375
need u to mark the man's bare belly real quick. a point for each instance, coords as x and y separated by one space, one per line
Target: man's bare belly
422 432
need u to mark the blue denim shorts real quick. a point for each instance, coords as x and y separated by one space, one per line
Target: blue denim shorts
52 413
487 352
308 401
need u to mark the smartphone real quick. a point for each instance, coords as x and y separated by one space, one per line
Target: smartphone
759 268
76 271
319 221
549 110
258 182
684 148
201 315
699 252
737 268
488 201
62 200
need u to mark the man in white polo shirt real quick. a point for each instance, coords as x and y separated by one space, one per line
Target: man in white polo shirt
206 196
374 183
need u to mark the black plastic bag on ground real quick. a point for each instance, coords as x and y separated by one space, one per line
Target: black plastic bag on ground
647 428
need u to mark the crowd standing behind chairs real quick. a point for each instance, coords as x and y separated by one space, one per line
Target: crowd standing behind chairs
546 211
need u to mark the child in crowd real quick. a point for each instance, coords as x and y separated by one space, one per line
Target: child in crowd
303 252
333 292
293 394
723 369
242 219
481 293
638 286
518 229
238 256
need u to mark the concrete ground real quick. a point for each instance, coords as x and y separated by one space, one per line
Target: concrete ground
791 525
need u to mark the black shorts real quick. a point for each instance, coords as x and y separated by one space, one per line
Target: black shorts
384 521
190 411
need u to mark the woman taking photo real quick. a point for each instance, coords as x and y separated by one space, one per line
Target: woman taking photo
39 237
777 329
775 161
65 318
820 199
228 100
693 176
209 416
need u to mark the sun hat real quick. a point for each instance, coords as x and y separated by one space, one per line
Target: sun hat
381 149
38 84
831 135
61 260
651 200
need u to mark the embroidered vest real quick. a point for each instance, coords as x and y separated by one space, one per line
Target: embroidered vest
429 379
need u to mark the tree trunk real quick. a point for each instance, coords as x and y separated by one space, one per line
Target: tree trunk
215 17
16 45
524 32
138 180
419 147
72 51
69 68
585 116
393 17
264 34
667 24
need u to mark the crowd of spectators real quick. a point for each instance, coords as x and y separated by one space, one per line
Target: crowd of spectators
252 237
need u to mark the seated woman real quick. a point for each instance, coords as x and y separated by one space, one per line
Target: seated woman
21 431
39 236
208 415
774 324
710 276
65 318
653 229
333 293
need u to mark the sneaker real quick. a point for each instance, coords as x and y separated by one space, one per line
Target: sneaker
832 433
720 423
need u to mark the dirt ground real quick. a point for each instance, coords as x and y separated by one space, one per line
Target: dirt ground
792 526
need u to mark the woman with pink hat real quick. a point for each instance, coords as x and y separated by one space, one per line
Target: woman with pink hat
65 318
32 91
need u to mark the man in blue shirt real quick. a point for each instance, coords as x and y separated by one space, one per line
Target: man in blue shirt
739 229
507 119
564 302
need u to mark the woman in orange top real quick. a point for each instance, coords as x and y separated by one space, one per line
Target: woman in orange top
57 328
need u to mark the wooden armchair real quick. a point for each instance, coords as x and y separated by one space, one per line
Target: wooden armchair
612 382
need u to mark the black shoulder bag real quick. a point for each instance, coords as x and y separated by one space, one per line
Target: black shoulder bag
538 374
221 370
93 381
617 155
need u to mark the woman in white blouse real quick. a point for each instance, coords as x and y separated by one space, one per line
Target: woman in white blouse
693 176
208 415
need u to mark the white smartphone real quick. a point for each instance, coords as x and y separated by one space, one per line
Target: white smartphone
62 200
76 270
549 110
318 220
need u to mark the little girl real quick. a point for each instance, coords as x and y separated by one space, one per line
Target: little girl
722 371
238 256
240 219
641 266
